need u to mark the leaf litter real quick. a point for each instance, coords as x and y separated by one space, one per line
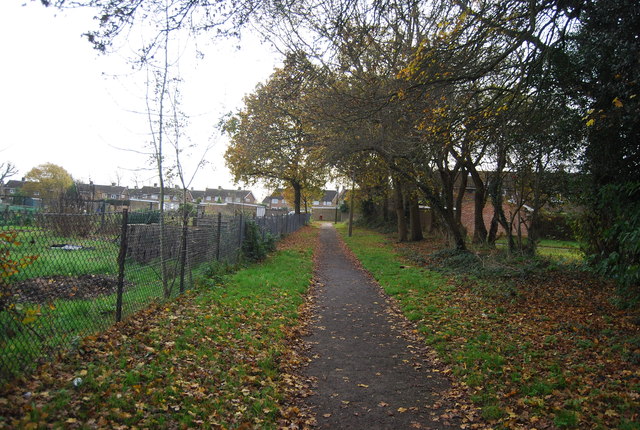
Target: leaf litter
219 358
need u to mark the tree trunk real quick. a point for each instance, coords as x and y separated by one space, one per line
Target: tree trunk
402 221
297 196
461 193
479 199
414 219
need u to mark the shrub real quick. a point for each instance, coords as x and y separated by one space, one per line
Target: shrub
610 236
255 247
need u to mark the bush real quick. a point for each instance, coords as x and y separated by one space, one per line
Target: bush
255 247
213 275
556 226
610 236
69 225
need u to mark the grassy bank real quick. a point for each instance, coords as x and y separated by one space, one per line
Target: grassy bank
537 345
211 358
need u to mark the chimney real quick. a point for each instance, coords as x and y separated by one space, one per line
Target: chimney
191 188
219 187
23 178
239 188
113 184
90 182
177 187
155 184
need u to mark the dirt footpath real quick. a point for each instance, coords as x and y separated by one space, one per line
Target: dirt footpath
368 374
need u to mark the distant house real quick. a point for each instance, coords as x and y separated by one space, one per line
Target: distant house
326 208
329 198
94 192
11 188
276 201
197 195
13 193
220 195
149 198
228 202
103 197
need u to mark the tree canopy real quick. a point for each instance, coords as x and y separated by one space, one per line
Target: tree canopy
427 96
49 180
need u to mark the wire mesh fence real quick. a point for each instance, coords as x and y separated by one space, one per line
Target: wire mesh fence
66 276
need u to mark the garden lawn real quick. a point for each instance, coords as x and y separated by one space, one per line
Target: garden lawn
213 357
545 350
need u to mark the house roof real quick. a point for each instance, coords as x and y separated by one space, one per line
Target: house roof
197 194
106 189
329 195
14 184
222 193
156 190
276 194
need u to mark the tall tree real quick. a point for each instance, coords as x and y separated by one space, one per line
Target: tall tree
269 139
49 180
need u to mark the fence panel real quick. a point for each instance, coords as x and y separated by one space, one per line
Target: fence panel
60 272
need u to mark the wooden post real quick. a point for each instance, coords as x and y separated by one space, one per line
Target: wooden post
121 258
183 248
218 236
353 201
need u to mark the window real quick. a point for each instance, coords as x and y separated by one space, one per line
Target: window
237 199
316 202
154 196
208 198
114 196
327 203
275 201
36 193
228 199
12 191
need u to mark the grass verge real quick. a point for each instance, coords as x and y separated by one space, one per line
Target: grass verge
213 357
542 349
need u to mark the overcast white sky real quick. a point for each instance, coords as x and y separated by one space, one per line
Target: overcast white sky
61 102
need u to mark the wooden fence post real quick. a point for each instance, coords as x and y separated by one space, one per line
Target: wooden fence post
121 257
183 248
218 236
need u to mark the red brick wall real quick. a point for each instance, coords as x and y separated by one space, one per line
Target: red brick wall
468 215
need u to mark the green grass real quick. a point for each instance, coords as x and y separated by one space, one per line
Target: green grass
470 310
564 250
99 257
62 323
212 358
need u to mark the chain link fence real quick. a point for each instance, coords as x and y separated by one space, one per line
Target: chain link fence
66 276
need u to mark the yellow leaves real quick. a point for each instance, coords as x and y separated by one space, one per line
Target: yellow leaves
591 122
31 315
617 102
363 386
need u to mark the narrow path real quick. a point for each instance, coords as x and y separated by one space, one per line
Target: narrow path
366 374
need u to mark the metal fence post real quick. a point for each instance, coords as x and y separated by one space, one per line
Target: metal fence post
121 257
